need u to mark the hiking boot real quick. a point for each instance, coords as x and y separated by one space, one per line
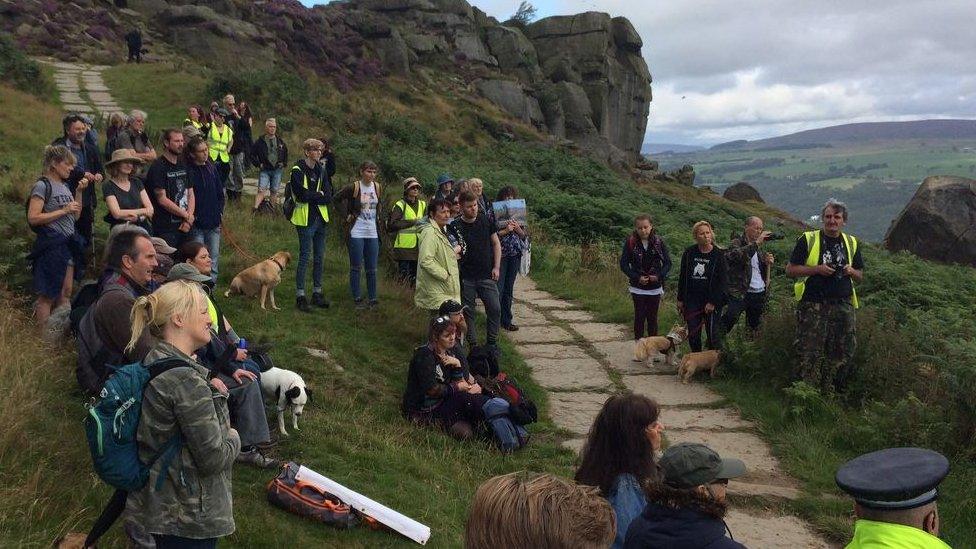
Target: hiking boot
319 300
511 327
360 304
374 303
256 459
302 303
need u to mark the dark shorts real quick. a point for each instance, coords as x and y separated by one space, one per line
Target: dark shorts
49 268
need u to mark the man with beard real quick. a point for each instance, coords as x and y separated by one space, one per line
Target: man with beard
171 191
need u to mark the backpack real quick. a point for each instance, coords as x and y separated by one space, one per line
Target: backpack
483 362
288 203
113 420
48 189
308 500
83 300
507 435
522 410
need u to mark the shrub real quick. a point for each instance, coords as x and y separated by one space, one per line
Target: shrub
20 71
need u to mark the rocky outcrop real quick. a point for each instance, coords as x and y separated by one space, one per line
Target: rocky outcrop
646 172
742 192
939 223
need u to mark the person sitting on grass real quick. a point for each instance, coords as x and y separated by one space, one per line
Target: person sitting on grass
618 456
230 375
437 392
686 509
537 510
51 213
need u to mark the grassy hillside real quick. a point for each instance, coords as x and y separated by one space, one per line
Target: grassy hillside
876 178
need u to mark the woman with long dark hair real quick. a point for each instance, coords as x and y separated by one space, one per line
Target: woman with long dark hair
618 456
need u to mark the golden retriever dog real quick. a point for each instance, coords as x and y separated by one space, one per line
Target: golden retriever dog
665 345
692 362
261 279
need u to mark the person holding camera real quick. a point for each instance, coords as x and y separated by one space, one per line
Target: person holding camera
827 263
748 275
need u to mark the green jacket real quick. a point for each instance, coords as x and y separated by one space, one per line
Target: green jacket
869 534
438 278
195 499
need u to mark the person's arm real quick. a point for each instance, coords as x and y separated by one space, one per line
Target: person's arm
666 262
427 256
797 266
37 218
683 278
147 207
717 291
625 264
196 416
740 252
256 156
168 204
191 204
856 269
117 213
396 222
282 154
330 164
496 249
426 364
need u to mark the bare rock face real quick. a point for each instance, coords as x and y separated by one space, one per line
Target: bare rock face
741 192
939 223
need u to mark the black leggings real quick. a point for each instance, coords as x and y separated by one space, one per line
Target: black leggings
645 313
699 322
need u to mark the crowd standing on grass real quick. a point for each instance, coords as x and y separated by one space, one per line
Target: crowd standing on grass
154 302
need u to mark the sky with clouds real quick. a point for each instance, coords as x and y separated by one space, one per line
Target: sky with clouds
748 69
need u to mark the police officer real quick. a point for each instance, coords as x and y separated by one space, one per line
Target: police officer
895 492
827 263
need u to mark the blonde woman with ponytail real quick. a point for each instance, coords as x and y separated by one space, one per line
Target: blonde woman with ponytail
193 503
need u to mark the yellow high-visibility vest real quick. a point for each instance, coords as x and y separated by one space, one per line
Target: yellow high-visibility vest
220 143
813 259
194 123
299 217
407 238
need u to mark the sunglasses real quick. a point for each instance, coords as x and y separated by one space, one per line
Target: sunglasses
442 319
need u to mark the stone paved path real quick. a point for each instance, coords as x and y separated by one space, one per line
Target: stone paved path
580 362
81 89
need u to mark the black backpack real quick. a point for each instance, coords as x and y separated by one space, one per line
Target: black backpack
83 300
48 189
483 362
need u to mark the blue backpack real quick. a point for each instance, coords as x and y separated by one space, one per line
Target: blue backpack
112 422
507 435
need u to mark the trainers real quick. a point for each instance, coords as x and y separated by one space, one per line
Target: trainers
255 458
360 304
511 327
374 303
319 300
302 303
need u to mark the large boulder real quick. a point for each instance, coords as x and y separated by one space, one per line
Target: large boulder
742 192
513 99
939 222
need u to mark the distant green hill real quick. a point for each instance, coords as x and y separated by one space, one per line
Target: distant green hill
862 133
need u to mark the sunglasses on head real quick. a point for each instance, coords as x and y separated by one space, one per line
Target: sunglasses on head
442 319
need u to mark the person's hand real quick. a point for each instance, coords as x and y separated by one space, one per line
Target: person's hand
83 182
94 178
72 207
769 259
240 355
151 153
133 217
654 431
457 251
848 270
709 308
644 279
824 270
494 274
184 227
190 218
219 385
451 361
763 236
474 388
681 309
241 374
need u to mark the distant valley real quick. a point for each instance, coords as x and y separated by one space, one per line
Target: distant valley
874 167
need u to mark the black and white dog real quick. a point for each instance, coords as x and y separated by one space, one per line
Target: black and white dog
288 390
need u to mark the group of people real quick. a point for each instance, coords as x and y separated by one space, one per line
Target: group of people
629 494
715 286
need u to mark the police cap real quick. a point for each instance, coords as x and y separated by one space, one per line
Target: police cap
894 478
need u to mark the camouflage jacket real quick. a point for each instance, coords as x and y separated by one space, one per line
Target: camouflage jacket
195 498
738 256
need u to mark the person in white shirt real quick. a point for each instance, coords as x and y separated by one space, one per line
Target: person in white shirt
748 275
362 203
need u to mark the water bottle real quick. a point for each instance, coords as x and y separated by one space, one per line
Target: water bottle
242 344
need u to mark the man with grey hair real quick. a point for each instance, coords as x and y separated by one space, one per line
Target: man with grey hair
748 275
269 154
134 137
827 263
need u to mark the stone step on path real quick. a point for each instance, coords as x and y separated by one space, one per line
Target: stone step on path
82 89
581 362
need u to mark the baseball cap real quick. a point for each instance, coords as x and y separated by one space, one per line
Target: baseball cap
185 271
450 307
689 464
161 245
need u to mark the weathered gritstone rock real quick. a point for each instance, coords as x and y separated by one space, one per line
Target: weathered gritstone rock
668 391
598 331
540 334
702 418
772 531
550 350
575 412
569 374
745 446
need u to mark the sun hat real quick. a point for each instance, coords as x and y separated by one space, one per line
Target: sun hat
689 464
410 182
444 178
124 155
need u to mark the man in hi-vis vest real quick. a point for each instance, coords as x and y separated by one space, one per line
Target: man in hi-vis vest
827 264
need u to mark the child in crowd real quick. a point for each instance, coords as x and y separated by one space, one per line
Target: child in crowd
646 262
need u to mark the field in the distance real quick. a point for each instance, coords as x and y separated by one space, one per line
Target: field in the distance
876 179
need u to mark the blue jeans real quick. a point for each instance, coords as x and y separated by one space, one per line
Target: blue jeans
506 286
311 241
363 250
269 180
211 239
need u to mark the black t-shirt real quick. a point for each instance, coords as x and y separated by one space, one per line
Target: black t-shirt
701 267
173 179
479 257
128 200
832 252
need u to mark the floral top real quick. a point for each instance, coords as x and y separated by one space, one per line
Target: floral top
512 245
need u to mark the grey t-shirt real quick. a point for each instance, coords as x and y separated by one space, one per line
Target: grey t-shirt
60 197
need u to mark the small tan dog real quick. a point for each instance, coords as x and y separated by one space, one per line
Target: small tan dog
692 362
261 279
665 345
